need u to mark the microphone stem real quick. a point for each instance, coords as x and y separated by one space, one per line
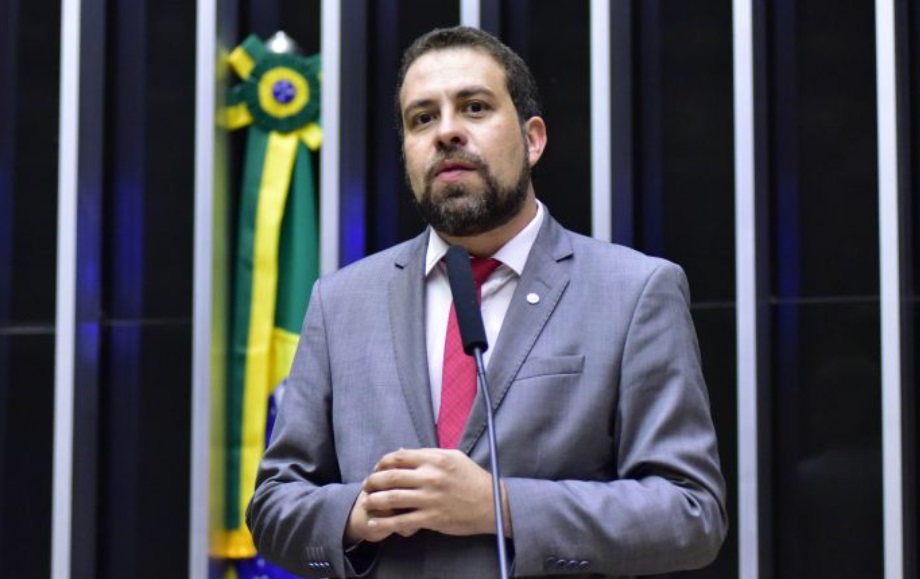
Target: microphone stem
493 458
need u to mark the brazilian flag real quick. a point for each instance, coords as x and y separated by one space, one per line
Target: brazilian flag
275 264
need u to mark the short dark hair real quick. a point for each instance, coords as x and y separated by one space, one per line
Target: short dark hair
520 82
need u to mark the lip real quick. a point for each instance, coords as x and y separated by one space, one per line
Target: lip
453 166
453 170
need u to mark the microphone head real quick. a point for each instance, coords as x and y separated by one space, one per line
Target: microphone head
466 302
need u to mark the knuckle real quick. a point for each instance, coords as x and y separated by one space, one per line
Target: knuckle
388 500
379 501
430 478
370 484
381 480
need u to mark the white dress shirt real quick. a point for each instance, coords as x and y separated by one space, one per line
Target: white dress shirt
496 296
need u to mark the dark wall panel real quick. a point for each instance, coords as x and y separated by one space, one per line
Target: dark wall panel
683 202
29 67
685 195
148 212
26 444
28 161
909 79
144 518
562 178
168 202
299 19
836 145
828 441
825 207
142 321
825 356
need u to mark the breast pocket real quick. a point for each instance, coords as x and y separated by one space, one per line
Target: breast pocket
553 420
551 366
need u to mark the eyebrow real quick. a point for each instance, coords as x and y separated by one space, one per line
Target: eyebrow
464 93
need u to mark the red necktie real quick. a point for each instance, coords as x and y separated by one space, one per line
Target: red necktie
458 377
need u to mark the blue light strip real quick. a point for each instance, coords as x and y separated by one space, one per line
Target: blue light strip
352 138
354 233
124 341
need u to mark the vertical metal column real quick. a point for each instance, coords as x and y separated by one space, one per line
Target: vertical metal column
746 291
600 120
202 307
65 326
330 185
470 13
890 291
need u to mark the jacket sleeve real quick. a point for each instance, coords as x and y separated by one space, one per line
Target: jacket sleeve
300 507
664 511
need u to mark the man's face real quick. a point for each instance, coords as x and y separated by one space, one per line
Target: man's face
466 154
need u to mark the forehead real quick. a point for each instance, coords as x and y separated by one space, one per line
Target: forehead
452 70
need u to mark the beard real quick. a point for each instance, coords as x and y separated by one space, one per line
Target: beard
462 210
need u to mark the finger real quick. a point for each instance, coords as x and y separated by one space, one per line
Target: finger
405 524
393 479
396 501
382 514
400 459
408 458
408 533
357 528
374 533
372 513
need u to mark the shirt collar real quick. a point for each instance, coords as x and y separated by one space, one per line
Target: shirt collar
513 254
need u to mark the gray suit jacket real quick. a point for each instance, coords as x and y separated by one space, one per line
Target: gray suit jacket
605 439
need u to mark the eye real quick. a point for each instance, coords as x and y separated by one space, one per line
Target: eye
421 119
476 107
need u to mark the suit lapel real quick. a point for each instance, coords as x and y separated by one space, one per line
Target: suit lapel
406 298
545 275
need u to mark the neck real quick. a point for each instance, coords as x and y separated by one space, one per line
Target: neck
486 244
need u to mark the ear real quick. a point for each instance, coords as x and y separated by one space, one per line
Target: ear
535 133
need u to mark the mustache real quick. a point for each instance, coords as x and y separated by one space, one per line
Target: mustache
454 154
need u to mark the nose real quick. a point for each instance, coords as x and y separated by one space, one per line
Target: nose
451 131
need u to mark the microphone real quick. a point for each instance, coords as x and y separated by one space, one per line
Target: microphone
466 302
473 337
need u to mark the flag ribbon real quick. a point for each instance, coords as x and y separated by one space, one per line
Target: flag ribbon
276 260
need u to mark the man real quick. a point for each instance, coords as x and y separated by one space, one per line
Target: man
607 449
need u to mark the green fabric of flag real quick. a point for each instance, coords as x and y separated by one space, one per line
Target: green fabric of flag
276 261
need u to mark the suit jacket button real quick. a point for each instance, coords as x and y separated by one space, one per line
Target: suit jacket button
549 563
560 563
582 565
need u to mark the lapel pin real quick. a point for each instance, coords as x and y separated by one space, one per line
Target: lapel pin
533 298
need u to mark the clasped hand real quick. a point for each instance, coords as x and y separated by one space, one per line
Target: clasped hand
431 488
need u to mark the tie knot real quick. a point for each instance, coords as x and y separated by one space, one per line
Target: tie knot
483 268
